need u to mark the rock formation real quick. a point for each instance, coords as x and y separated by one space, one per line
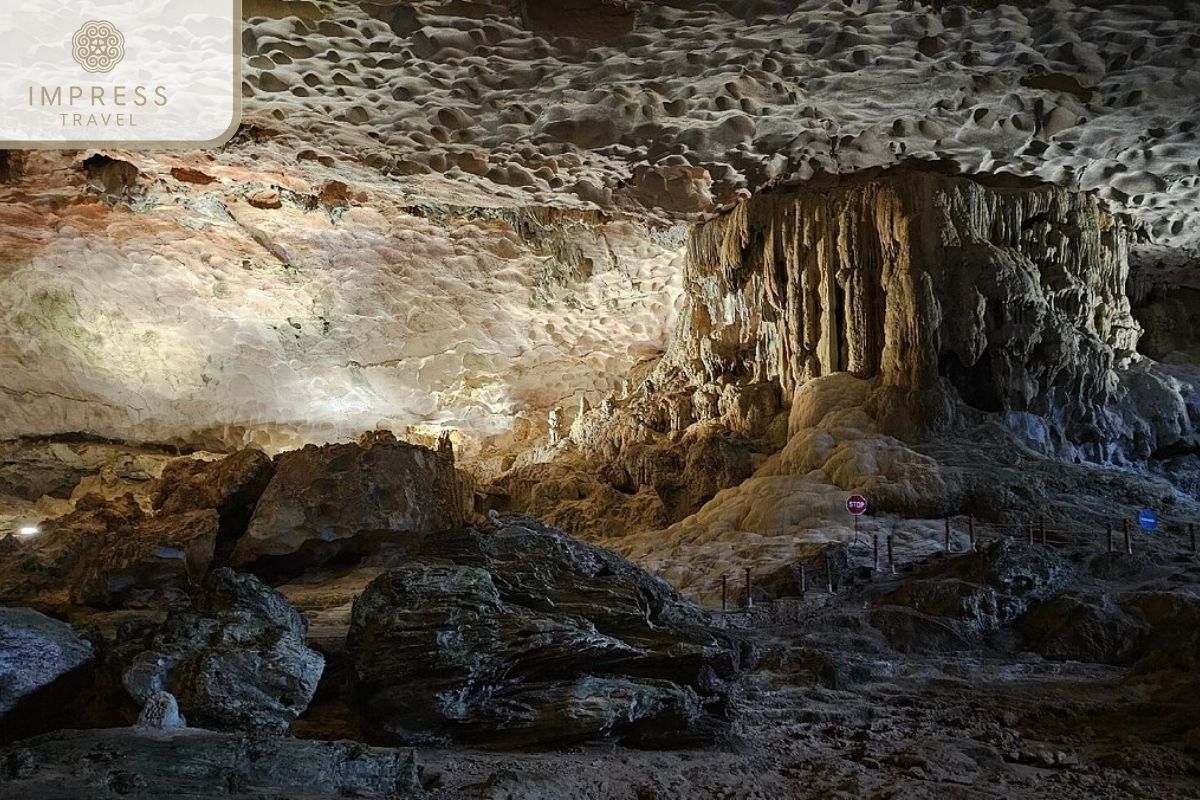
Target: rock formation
230 486
1015 295
521 636
672 278
34 652
91 765
109 553
507 229
326 501
239 661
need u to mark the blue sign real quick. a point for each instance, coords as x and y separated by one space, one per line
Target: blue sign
1148 519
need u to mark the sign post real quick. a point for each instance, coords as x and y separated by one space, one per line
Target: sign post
856 504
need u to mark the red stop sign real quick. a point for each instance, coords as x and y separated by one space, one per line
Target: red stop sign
856 504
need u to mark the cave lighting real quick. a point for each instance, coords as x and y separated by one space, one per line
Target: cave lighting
28 530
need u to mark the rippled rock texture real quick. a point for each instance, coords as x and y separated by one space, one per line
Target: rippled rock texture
473 212
96 765
520 636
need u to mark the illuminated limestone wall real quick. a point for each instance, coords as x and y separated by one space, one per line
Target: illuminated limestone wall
221 308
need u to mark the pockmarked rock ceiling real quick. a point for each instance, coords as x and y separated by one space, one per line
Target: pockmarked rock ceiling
459 215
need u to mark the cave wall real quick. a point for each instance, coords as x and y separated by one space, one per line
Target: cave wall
212 305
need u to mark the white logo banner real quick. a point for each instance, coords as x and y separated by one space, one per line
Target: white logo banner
149 73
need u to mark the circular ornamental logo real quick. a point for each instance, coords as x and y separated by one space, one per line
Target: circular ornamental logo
98 46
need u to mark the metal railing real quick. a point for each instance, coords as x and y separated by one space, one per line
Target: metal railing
962 534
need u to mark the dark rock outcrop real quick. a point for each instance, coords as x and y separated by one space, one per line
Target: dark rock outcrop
525 637
239 661
35 651
1149 631
230 486
109 553
1083 627
953 604
188 763
328 501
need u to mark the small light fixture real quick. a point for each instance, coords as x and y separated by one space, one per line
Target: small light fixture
29 530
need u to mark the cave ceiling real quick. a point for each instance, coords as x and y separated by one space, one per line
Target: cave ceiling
459 215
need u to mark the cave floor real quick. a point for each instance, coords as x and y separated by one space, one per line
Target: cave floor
977 727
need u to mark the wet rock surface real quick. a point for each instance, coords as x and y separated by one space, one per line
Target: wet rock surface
146 765
35 651
522 636
238 661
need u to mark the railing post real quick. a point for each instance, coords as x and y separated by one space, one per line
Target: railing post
947 526
724 592
1042 528
971 531
828 574
891 554
1128 539
749 596
803 579
1029 531
877 552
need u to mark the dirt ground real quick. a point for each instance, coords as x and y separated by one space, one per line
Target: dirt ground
850 722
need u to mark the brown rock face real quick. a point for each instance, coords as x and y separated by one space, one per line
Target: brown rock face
345 498
109 554
153 564
230 486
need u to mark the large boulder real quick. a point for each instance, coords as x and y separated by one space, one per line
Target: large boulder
35 651
1089 627
523 636
139 764
345 498
230 486
952 604
238 661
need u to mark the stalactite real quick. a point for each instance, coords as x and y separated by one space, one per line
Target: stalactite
887 277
